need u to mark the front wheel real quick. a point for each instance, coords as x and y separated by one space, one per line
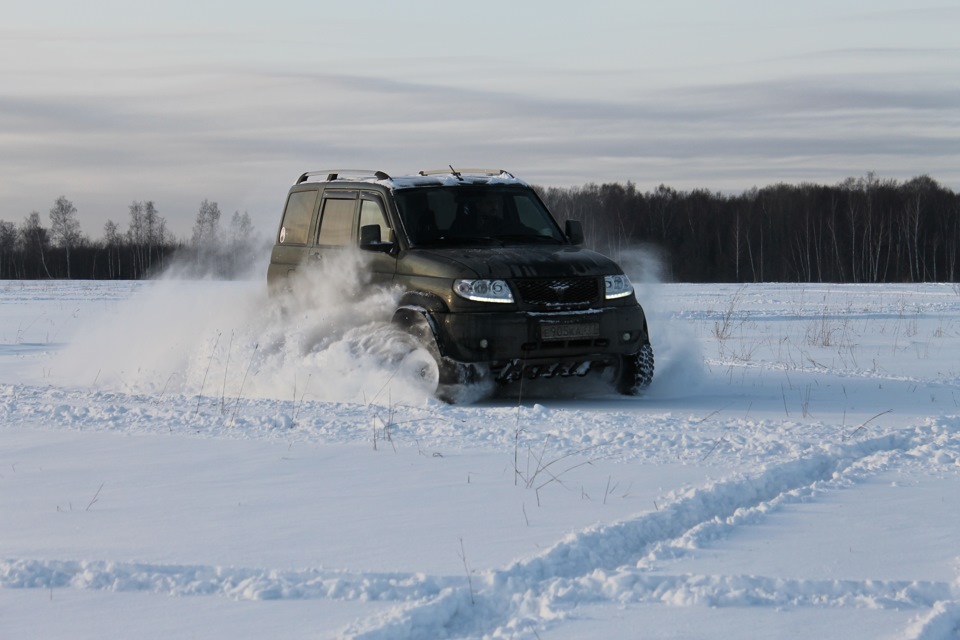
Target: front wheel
420 367
636 371
451 381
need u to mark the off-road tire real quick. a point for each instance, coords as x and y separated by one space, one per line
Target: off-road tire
453 375
636 372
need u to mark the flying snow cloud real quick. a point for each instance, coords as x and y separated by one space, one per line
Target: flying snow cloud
679 361
218 341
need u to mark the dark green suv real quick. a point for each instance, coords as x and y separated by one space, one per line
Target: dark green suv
494 289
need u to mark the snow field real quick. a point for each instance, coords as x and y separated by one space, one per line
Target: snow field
793 468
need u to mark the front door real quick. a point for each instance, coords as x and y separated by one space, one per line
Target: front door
383 266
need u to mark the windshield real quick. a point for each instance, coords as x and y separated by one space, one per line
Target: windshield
475 215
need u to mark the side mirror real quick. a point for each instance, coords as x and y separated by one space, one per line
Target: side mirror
574 231
370 239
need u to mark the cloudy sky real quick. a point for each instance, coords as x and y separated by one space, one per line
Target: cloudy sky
108 102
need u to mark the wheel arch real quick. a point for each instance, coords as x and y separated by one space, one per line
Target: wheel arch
428 302
419 307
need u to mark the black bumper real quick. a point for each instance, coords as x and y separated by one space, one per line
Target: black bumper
542 338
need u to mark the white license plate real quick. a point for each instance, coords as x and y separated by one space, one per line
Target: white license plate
572 331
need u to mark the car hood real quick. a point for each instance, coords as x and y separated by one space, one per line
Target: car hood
513 262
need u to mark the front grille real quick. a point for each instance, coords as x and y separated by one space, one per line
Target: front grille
559 293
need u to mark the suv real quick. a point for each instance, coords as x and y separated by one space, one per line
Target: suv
493 288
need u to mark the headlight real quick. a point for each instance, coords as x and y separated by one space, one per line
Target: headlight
483 290
617 286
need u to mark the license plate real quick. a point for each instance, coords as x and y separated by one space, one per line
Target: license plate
570 331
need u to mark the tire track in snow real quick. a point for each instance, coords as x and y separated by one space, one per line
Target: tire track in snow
527 594
942 623
594 564
622 587
237 583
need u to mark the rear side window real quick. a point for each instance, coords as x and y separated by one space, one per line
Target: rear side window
296 218
336 222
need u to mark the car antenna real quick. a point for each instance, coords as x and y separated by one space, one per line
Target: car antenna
455 173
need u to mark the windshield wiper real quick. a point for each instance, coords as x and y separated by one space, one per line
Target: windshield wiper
528 239
463 240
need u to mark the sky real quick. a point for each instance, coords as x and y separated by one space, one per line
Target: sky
111 102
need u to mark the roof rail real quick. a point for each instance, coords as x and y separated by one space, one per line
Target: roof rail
459 172
334 174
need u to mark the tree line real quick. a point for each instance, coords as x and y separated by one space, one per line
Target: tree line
860 230
30 250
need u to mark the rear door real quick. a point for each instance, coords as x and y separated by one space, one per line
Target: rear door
342 213
335 224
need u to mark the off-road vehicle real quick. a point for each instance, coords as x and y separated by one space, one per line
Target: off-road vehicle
494 289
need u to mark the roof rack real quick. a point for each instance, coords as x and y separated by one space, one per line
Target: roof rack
459 172
334 174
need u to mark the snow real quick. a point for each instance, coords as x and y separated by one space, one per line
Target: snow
187 459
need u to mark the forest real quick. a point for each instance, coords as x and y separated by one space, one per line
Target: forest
861 230
145 249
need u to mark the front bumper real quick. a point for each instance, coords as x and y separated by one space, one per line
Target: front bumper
545 343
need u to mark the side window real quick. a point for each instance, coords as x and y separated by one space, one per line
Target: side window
371 212
296 217
336 222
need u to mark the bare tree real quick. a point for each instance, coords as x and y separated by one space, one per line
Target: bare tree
136 237
205 243
241 242
35 239
112 240
8 249
147 235
155 231
207 227
241 229
64 227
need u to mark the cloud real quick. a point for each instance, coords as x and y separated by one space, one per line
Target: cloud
179 135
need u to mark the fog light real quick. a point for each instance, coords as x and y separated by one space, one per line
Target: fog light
626 337
483 343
